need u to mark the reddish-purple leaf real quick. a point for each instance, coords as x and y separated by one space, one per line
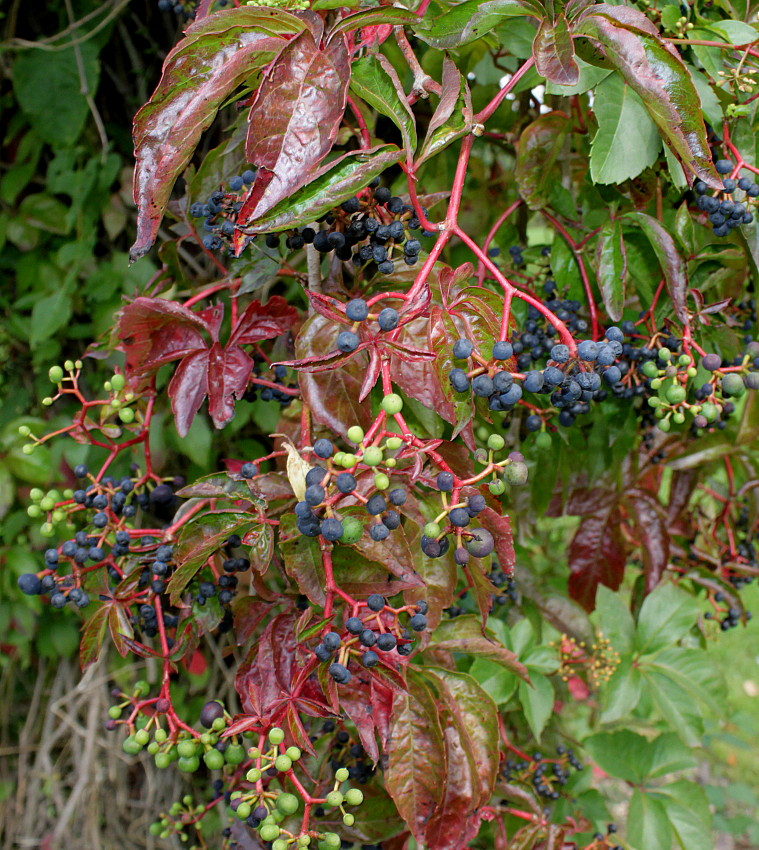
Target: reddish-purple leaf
471 743
153 331
554 52
93 633
329 307
332 396
372 21
372 373
218 54
500 527
119 627
294 119
597 555
651 533
188 388
264 321
416 757
228 373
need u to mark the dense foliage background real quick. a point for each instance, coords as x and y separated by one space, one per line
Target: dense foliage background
618 597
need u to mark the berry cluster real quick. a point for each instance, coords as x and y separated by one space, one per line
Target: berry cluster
545 776
367 636
725 212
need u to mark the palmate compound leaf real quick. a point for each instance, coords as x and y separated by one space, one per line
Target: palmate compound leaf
652 68
219 54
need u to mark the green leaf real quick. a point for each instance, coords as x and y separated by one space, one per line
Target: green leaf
615 619
611 268
464 634
473 19
632 757
627 140
656 72
687 809
334 183
676 706
695 673
672 265
199 539
622 692
49 315
375 81
666 616
539 147
647 823
49 90
499 685
537 701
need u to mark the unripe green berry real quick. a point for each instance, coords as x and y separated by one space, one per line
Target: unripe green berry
393 443
656 383
162 760
253 775
293 753
675 394
142 736
118 382
372 455
130 746
354 797
160 735
214 759
497 487
187 749
55 374
381 481
24 430
243 810
331 841
283 763
28 449
269 832
649 369
114 712
348 819
665 354
234 754
341 774
154 748
219 724
287 803
279 844
126 415
47 401
276 736
355 434
334 798
496 442
188 765
392 403
348 460
432 529
352 531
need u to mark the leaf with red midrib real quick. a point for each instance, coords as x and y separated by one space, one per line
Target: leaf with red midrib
294 119
597 555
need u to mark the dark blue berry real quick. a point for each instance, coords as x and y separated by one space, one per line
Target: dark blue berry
462 348
248 470
388 319
357 310
347 341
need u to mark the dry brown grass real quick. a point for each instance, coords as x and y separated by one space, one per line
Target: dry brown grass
74 787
